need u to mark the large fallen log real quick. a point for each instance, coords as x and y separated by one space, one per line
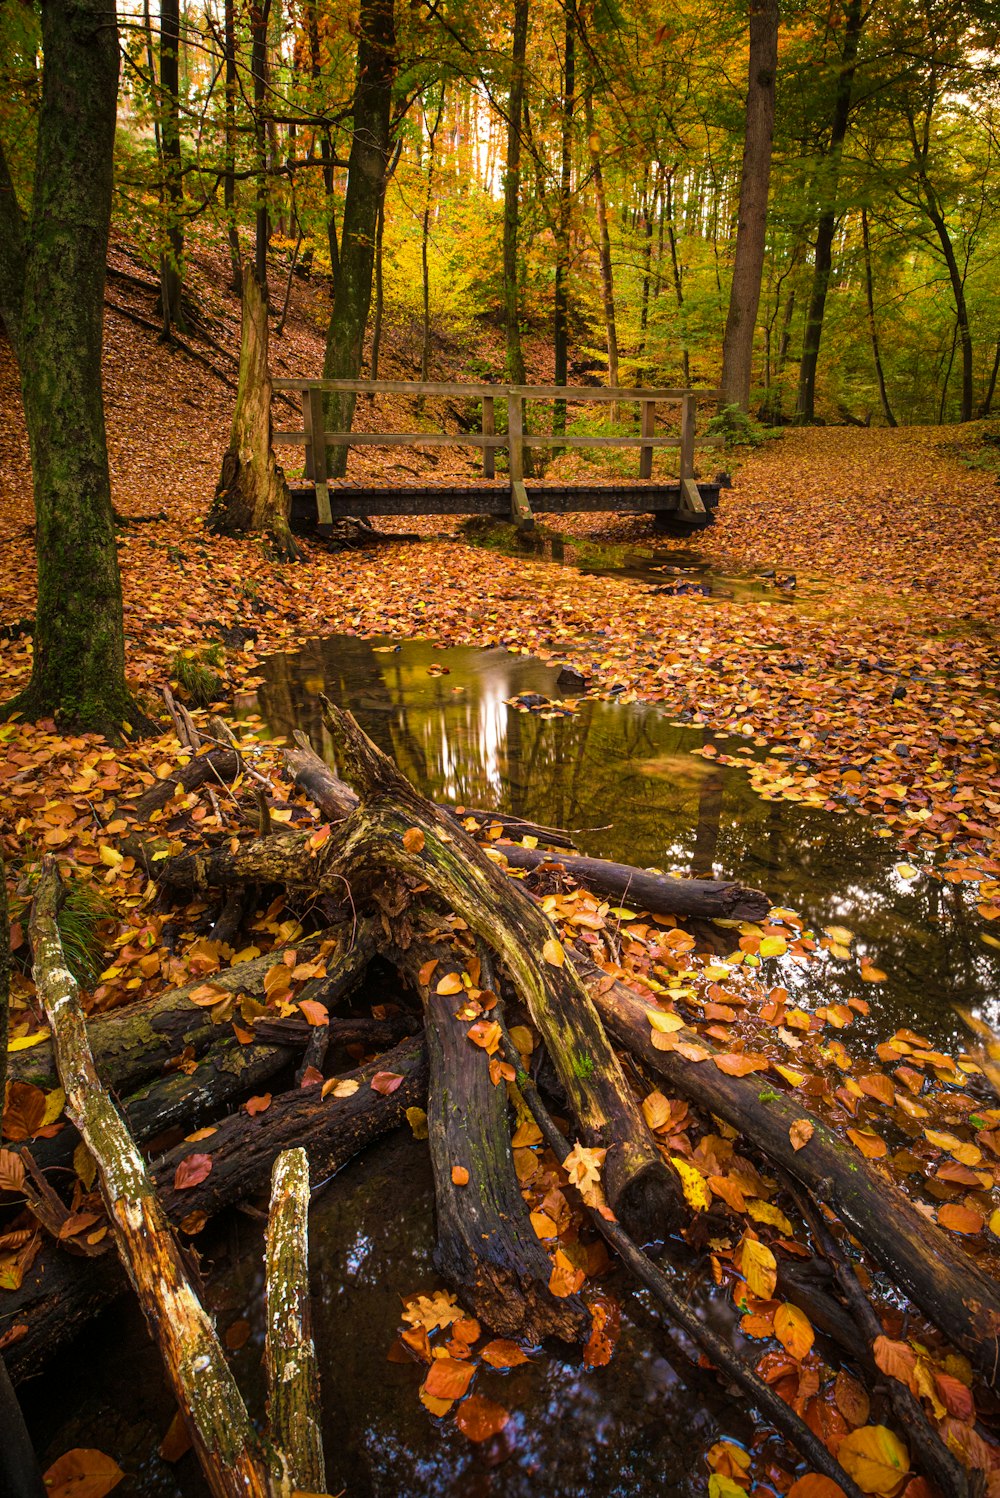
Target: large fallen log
936 1274
133 1044
486 1249
396 828
662 894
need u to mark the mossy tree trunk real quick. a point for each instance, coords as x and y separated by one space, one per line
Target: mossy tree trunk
365 180
252 494
52 290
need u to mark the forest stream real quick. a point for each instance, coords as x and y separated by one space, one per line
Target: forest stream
474 727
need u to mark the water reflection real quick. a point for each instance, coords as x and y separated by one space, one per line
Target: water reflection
625 775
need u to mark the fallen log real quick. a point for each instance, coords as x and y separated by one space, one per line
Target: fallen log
396 828
214 766
660 894
334 800
486 1248
936 1275
133 1044
196 1367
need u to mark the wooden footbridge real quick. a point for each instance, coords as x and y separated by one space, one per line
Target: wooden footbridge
684 504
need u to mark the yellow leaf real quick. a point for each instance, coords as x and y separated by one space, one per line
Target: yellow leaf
55 1102
758 1267
23 1042
417 1119
773 1216
667 1024
772 946
724 1487
696 1189
111 856
876 1459
553 952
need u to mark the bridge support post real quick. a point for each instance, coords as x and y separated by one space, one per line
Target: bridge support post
520 506
648 430
687 436
515 435
317 429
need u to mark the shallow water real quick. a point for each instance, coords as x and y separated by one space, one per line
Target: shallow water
623 775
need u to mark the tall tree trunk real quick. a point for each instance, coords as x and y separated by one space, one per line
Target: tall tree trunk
259 13
957 279
744 296
58 262
607 273
171 284
829 174
675 269
560 305
425 277
252 494
512 196
379 237
890 419
366 172
229 182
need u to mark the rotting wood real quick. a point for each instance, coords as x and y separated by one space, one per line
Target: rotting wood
486 1247
134 1044
936 1275
660 894
199 1375
397 828
293 1393
219 765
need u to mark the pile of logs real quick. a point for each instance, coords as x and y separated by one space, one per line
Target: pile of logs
388 872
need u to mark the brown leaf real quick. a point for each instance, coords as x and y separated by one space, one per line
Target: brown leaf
479 1418
24 1114
191 1171
801 1132
385 1082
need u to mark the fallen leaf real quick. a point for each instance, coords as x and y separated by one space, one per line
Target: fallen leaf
384 1082
413 840
876 1459
83 1473
459 1175
480 1418
801 1132
191 1171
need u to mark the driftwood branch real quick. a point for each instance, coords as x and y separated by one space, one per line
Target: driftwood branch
196 1367
293 1401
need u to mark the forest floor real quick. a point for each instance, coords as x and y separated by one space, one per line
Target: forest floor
874 695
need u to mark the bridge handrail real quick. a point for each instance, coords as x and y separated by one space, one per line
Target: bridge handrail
617 393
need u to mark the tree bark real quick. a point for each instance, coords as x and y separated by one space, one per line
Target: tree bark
171 281
59 258
918 1256
744 296
229 181
890 419
252 494
560 305
829 171
365 185
512 197
604 241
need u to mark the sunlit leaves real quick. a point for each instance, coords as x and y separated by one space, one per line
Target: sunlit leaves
876 1458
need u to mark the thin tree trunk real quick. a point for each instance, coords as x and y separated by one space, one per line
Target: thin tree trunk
425 351
57 263
675 268
379 237
985 408
872 330
229 183
512 194
259 12
829 172
365 184
173 181
744 296
560 306
607 274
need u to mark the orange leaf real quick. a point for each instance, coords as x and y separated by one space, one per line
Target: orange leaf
413 840
813 1485
450 983
897 1359
255 1105
459 1175
426 972
736 1064
959 1219
793 1330
448 1378
480 1418
801 1132
553 952
870 1145
878 1086
83 1473
503 1353
315 1012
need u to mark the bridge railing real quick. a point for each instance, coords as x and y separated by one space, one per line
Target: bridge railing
317 439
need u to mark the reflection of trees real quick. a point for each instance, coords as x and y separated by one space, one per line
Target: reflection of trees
629 767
